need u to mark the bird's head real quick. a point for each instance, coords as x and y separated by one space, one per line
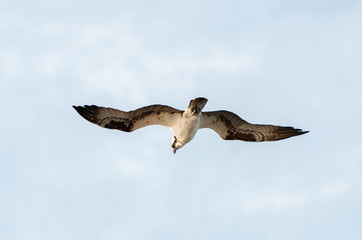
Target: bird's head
176 145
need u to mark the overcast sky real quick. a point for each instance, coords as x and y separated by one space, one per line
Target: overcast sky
291 63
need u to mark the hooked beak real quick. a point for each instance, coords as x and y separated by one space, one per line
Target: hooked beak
174 150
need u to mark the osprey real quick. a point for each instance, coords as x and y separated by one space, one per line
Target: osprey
184 124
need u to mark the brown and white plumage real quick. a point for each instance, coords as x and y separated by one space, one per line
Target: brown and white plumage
129 121
230 126
185 124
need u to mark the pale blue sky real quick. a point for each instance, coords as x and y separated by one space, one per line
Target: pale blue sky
279 62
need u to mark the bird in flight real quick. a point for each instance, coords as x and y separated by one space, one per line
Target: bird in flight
184 124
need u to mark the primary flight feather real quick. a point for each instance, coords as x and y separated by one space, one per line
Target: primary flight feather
184 124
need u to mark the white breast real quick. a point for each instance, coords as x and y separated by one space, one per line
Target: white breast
186 129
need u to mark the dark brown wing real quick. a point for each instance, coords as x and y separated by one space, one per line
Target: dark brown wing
230 126
132 120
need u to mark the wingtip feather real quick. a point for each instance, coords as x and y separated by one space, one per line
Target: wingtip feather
86 112
301 132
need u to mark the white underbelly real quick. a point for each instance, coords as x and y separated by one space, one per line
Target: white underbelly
186 130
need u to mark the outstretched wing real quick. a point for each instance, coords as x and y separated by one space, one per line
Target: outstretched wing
230 126
132 120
